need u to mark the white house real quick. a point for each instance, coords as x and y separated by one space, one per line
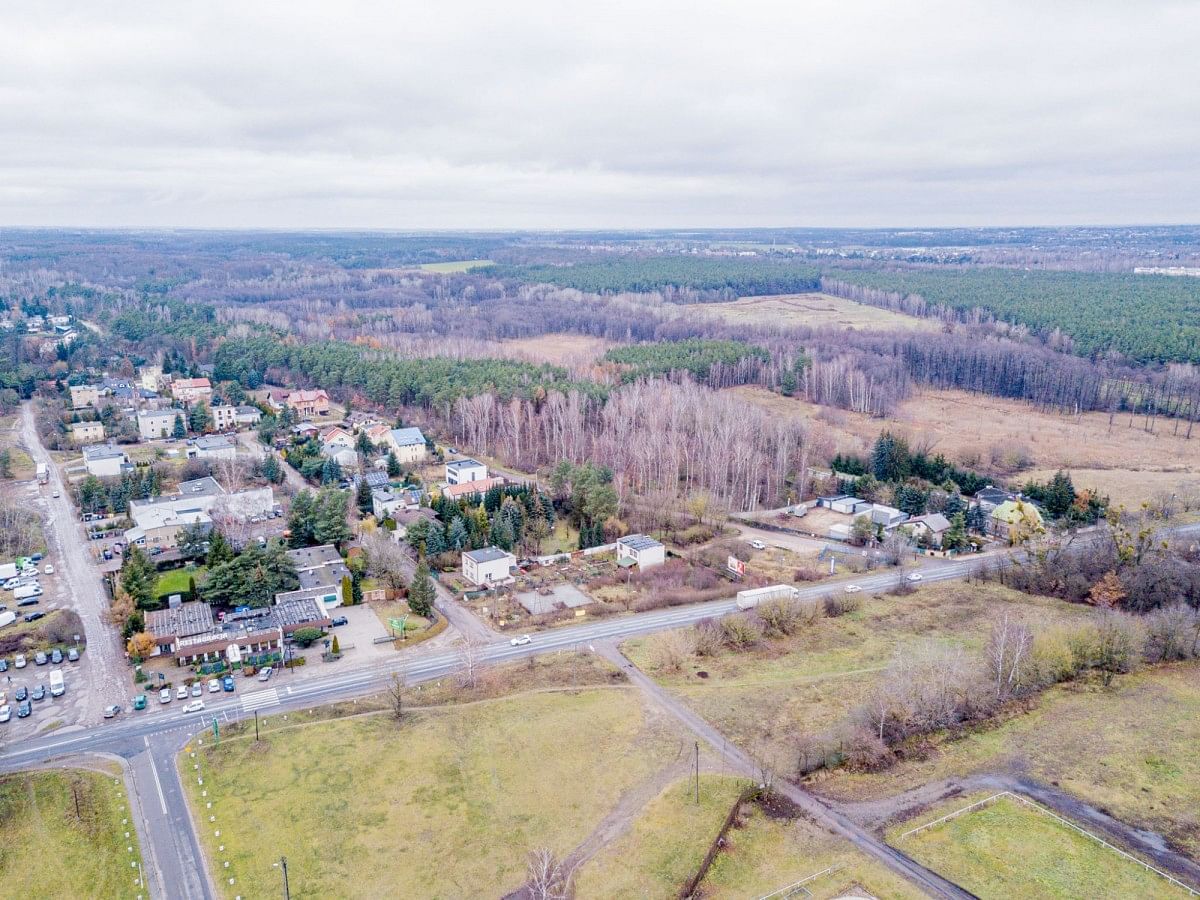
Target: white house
462 471
488 566
103 460
408 444
384 503
887 516
214 446
224 417
641 551
344 457
935 525
334 436
157 423
87 432
247 415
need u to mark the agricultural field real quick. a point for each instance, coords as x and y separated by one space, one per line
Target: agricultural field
482 783
1006 848
449 268
766 698
54 848
1128 749
569 350
813 311
1016 440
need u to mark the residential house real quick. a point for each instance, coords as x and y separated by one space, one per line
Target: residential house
376 481
125 391
158 520
191 390
640 550
377 434
155 424
84 395
321 570
158 527
455 491
86 432
488 566
407 516
104 460
461 471
305 430
247 415
336 436
887 516
213 446
224 418
384 502
408 444
990 497
306 404
934 526
1016 521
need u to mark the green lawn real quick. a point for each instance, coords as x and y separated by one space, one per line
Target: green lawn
446 805
463 265
563 539
1007 849
50 850
176 581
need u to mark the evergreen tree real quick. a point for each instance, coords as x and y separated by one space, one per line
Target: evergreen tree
180 431
252 578
363 496
347 591
457 536
363 444
955 537
393 465
421 591
271 469
219 549
435 539
501 534
890 459
138 578
302 520
200 418
976 518
191 587
331 471
329 517
911 499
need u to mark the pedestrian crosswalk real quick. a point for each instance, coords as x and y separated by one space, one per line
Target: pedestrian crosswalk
260 699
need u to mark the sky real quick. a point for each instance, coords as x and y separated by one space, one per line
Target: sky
433 115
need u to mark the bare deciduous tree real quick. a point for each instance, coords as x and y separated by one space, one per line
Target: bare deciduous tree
395 695
387 560
546 878
1007 656
470 662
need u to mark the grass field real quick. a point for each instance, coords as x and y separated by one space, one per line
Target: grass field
49 851
175 581
559 349
813 310
993 434
462 265
1129 749
360 803
765 698
1007 849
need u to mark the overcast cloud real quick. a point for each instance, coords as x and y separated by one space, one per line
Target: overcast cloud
457 115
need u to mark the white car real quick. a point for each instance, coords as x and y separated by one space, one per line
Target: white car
49 568
181 692
111 712
214 686
5 713
56 494
852 589
19 662
194 706
265 674
520 641
914 576
164 696
758 545
30 572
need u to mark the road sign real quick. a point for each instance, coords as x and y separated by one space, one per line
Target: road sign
735 565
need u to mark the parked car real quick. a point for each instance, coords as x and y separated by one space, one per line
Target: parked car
29 601
164 696
265 674
40 658
3 665
19 661
56 656
39 692
340 620
914 576
758 545
30 572
24 710
194 706
227 683
214 686
111 711
22 694
197 690
33 617
181 693
5 713
139 702
852 589
521 641
72 655
36 557
49 568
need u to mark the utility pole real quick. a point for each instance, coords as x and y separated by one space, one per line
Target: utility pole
697 773
256 737
282 864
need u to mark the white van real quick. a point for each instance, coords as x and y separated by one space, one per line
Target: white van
26 591
7 617
57 686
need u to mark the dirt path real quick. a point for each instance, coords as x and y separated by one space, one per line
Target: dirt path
1148 844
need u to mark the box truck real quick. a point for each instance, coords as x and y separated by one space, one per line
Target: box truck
750 598
43 473
7 571
7 617
57 686
25 591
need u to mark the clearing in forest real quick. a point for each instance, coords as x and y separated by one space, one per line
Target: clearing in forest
814 311
559 349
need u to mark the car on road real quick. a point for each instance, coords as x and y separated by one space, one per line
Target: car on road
852 589
5 713
340 620
914 576
55 494
197 690
24 710
19 661
521 641
111 711
72 655
758 545
265 674
181 692
22 694
49 568
139 702
214 686
39 692
227 684
164 696
55 656
194 706
40 658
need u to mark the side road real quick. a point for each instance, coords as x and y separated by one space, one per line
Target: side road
817 809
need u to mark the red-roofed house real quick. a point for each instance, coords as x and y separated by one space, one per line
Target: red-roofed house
305 404
191 390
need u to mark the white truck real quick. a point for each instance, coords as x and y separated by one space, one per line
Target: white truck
57 686
7 571
7 617
25 591
750 598
43 473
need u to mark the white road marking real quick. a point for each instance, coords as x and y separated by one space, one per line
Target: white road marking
162 801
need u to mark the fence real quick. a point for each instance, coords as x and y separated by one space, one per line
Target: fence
714 848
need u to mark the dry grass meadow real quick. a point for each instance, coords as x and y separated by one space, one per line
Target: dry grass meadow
813 310
570 350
